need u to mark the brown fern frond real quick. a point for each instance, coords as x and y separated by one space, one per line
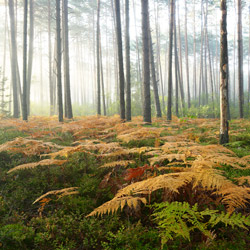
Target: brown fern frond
170 147
140 134
113 205
67 151
28 147
241 180
46 162
169 157
207 150
60 193
117 163
234 197
146 187
228 160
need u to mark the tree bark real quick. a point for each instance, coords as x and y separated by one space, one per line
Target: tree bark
59 61
154 81
51 97
240 61
128 75
25 24
120 58
98 59
13 59
171 25
67 89
30 55
224 138
146 69
186 53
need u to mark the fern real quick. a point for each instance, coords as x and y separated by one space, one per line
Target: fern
46 162
169 157
113 205
117 163
59 193
178 219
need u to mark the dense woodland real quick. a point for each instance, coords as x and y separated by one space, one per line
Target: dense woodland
124 124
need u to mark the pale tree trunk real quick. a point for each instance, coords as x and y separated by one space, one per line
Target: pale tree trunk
67 89
59 61
50 62
240 61
171 26
13 59
146 69
248 62
224 138
186 53
102 82
25 24
120 58
194 70
139 73
176 71
98 59
153 76
128 81
30 55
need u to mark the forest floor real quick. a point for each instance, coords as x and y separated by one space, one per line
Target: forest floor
97 183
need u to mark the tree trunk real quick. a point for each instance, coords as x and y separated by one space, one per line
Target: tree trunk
51 112
146 69
30 59
240 61
25 19
186 53
176 71
59 61
194 70
128 81
154 81
67 89
171 25
224 138
98 59
102 82
13 59
120 58
248 96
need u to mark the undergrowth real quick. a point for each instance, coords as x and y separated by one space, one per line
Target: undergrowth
160 186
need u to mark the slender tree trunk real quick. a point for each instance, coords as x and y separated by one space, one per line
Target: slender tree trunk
67 90
50 61
186 53
171 25
98 59
201 58
59 61
248 96
41 69
240 61
128 80
224 138
139 73
146 69
194 70
30 55
234 61
25 24
102 82
120 58
176 71
154 81
13 59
